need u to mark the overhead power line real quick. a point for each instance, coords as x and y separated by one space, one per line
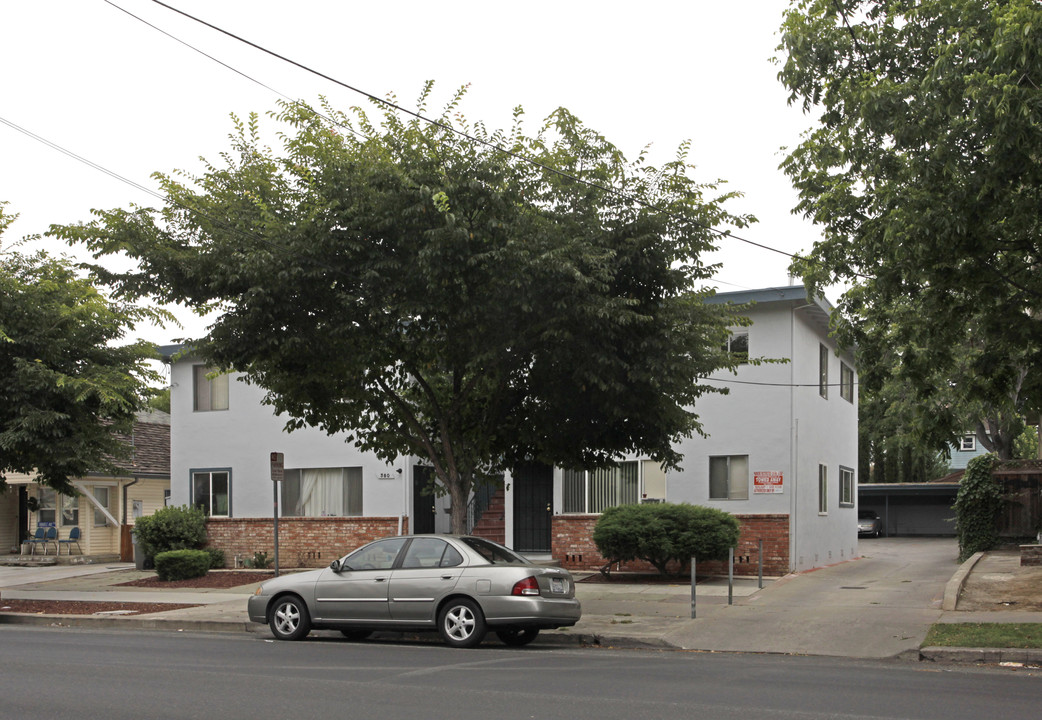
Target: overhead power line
437 123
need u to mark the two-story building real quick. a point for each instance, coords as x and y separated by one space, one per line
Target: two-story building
781 454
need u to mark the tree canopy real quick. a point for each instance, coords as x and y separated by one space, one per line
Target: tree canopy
425 289
923 172
66 385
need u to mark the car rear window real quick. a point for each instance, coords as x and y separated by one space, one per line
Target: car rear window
493 552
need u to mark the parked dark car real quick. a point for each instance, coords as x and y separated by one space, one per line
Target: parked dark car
460 586
869 524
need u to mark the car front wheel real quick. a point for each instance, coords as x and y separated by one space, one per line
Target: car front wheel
461 623
290 619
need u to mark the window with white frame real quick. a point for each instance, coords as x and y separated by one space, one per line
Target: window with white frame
738 346
70 510
846 487
322 492
210 391
101 494
48 500
968 443
729 477
846 382
596 490
823 371
823 489
211 491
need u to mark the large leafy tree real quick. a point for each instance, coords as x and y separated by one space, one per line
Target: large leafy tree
67 385
923 171
437 296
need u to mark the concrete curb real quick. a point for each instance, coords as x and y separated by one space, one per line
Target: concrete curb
954 587
129 623
988 656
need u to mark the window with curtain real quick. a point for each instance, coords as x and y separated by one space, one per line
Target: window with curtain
322 492
70 510
596 490
729 477
48 500
846 487
211 393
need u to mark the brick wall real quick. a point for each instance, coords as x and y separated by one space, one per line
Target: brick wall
303 542
573 546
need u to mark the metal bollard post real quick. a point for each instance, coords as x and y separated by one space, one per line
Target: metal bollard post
730 576
761 564
693 580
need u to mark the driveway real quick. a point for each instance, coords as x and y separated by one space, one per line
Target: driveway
880 605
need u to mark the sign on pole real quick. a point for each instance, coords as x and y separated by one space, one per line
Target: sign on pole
278 467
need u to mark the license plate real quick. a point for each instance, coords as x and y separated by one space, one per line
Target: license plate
557 585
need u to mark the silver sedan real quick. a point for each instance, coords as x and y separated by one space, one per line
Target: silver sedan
461 586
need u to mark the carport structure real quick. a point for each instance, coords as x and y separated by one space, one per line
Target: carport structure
912 508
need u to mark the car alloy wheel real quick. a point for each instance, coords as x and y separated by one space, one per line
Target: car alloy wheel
461 623
289 619
516 637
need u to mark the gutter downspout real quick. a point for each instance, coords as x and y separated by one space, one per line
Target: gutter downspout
135 481
794 542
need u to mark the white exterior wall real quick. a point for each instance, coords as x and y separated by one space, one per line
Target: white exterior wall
783 425
241 438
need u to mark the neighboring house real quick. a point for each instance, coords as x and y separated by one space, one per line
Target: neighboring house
106 504
965 450
781 456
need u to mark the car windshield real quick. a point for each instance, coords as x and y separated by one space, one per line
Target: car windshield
493 552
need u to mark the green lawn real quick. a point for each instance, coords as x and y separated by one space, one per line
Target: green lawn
990 635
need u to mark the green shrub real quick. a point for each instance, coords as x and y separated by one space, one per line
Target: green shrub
976 508
216 557
259 561
182 564
665 532
172 528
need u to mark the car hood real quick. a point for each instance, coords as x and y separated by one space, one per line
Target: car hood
293 580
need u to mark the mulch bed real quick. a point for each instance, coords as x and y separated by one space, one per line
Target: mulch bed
84 607
215 579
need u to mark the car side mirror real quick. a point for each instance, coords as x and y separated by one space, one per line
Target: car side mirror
335 566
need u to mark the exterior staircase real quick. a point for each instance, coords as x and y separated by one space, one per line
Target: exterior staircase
491 525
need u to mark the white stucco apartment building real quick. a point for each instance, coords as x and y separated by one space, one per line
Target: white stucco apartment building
781 455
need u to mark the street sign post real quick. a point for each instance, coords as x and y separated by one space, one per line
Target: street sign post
278 467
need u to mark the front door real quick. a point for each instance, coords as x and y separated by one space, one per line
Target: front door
533 487
422 500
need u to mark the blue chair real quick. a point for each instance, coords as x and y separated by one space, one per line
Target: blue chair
51 536
74 537
37 539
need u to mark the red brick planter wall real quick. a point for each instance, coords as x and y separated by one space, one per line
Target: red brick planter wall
573 546
303 542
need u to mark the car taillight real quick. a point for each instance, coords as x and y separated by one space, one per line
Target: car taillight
528 586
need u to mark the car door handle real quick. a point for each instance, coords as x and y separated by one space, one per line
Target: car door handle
380 579
447 577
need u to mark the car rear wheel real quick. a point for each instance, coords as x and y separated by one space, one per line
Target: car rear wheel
290 619
461 623
516 637
356 634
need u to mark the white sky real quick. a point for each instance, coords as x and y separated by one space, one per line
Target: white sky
99 83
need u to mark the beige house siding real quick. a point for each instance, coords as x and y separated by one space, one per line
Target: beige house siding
9 520
151 493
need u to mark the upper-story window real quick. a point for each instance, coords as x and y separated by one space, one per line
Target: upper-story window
211 392
738 346
823 371
846 382
968 443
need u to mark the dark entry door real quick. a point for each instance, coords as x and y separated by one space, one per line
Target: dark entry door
422 499
533 507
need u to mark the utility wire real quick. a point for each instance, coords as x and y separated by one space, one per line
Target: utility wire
453 130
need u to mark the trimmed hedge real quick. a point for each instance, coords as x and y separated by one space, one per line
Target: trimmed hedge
182 564
171 528
661 533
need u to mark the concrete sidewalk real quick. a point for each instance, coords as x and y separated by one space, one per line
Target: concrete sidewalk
879 606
